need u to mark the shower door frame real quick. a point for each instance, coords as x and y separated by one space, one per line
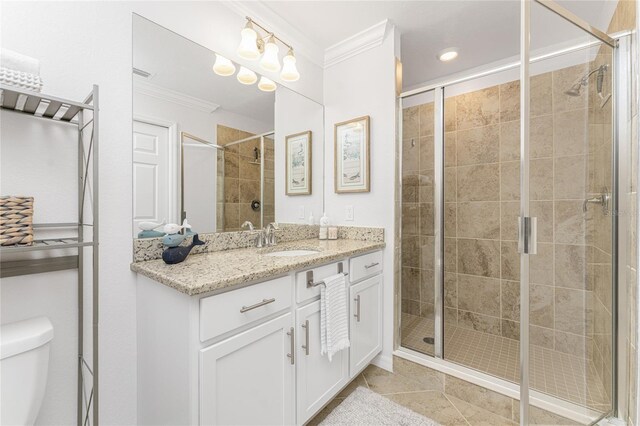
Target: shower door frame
525 395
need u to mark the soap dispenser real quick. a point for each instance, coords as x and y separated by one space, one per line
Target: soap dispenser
324 226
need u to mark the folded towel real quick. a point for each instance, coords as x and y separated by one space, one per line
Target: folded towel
20 79
334 323
19 62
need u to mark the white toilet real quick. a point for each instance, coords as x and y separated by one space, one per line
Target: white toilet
24 355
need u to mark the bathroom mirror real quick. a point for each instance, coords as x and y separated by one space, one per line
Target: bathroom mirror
212 150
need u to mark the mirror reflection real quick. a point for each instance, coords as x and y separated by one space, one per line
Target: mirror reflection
213 149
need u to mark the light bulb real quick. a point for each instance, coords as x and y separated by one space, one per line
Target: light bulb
447 55
289 70
246 76
248 48
223 66
270 61
266 85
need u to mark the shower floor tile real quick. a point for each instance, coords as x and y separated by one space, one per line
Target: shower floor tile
555 373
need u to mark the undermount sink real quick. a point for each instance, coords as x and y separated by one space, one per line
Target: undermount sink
291 253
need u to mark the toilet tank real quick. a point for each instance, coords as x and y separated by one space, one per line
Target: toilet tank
24 363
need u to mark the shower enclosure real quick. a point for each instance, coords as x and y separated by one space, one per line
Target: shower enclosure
509 219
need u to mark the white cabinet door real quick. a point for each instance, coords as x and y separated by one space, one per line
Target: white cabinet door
318 379
366 323
248 379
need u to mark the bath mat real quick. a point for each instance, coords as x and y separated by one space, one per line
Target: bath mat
365 407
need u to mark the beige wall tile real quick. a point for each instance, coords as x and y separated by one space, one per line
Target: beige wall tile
479 322
410 156
249 190
541 336
427 286
478 108
478 183
570 132
541 136
510 211
510 101
426 153
479 396
562 80
510 329
479 145
479 257
411 283
510 141
451 289
570 310
426 117
411 251
569 222
231 165
510 260
569 177
450 114
231 190
410 218
450 219
543 210
510 180
573 344
410 123
479 220
426 218
541 94
541 179
510 300
450 158
570 266
541 305
541 266
479 294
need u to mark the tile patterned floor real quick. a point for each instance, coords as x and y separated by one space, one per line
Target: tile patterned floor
562 375
422 393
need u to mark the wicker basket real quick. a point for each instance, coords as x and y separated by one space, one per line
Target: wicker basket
16 220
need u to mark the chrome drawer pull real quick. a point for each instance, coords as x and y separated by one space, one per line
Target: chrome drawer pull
257 305
357 314
306 337
292 355
371 265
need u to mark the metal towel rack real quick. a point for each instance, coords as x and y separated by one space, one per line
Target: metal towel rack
311 283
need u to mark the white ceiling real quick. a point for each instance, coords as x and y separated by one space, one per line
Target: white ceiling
181 65
484 31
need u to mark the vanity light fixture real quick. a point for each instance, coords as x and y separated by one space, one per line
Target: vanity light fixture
266 85
270 61
246 76
249 47
223 66
253 44
289 70
448 54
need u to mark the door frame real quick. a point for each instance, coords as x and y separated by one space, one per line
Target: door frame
173 157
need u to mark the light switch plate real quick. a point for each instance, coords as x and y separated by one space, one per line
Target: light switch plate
301 212
348 213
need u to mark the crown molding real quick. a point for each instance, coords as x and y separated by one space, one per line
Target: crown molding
159 92
356 44
264 15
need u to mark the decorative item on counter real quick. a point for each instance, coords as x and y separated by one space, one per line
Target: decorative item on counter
173 255
16 220
173 240
147 229
187 228
333 232
311 219
324 225
174 228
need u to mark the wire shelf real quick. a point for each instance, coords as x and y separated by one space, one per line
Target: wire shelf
39 105
47 244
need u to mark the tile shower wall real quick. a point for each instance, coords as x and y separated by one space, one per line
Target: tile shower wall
481 208
242 179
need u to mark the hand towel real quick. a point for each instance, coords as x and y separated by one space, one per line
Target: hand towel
334 319
19 62
20 79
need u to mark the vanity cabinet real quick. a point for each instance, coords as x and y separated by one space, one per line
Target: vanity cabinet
317 379
251 355
248 378
365 330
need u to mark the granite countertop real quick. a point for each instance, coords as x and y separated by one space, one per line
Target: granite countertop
223 270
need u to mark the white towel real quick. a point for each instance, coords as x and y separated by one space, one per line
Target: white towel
334 320
20 79
19 62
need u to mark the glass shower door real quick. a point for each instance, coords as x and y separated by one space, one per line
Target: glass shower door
565 169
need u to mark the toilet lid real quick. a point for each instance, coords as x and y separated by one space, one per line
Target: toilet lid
22 336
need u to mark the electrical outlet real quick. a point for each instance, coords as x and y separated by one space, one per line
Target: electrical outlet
348 213
301 212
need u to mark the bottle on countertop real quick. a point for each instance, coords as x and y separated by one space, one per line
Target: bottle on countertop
324 226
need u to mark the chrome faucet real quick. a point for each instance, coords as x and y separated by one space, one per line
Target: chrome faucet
247 224
270 234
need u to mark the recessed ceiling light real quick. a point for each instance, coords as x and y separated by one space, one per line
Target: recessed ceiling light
449 54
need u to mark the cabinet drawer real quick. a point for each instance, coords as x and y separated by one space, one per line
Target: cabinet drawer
365 266
319 273
227 311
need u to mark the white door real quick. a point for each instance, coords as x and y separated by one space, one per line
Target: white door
318 380
366 323
248 379
151 183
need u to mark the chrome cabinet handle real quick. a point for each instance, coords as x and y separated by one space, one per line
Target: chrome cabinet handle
371 265
292 355
257 305
357 314
306 337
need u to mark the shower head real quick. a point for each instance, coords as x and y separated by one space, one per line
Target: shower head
576 88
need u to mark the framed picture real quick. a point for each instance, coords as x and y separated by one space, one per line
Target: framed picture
298 164
352 156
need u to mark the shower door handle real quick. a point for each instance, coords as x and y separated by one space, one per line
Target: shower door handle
528 235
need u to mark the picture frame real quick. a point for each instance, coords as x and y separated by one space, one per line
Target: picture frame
351 156
298 170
